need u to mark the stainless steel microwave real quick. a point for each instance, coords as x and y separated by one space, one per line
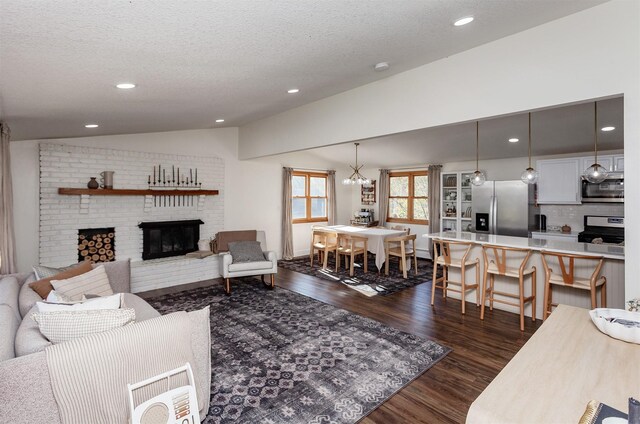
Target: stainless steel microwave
610 190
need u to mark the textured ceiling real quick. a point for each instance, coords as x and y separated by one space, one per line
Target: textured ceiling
560 130
195 61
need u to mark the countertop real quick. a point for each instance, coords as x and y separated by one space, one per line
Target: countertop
564 365
561 246
557 233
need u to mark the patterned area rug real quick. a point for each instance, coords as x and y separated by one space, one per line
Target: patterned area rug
281 357
370 284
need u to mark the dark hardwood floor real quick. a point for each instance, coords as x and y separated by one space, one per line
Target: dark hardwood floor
444 393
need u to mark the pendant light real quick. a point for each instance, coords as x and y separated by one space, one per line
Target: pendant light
595 173
530 175
356 177
478 177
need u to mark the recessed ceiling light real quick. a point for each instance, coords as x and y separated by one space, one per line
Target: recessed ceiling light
293 91
514 140
463 21
382 66
219 120
125 85
608 128
91 126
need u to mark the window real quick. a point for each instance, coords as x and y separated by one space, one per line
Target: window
309 191
408 197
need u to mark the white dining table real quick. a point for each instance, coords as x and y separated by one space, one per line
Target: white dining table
375 236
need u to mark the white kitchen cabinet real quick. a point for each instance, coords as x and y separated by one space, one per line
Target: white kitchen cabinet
606 161
559 181
612 163
618 163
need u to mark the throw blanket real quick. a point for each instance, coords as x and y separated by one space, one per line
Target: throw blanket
89 375
221 242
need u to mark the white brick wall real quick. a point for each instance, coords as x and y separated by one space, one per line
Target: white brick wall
61 215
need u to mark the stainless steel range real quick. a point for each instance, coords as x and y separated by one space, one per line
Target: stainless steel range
608 228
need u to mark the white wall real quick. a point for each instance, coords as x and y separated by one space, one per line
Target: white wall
252 189
588 55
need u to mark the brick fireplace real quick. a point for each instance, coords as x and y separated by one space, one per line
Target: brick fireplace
62 215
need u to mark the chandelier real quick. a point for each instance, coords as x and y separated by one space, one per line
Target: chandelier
356 177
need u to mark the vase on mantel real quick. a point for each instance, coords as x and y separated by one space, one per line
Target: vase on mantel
93 184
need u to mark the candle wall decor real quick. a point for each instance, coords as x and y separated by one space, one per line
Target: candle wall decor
174 182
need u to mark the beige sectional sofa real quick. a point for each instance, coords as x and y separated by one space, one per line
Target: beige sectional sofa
26 392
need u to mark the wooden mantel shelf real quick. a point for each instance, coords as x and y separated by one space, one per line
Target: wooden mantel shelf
135 192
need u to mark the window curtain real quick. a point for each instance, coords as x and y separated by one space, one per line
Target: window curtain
287 228
332 207
7 238
383 195
435 176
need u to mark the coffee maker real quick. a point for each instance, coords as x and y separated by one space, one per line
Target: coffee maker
540 222
363 217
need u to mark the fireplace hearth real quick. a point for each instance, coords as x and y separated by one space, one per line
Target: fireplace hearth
169 238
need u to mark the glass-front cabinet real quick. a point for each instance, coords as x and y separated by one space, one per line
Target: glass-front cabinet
455 201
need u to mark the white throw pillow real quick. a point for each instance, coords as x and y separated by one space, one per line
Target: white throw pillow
93 282
95 304
54 297
61 326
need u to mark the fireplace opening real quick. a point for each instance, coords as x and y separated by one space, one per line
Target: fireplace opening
97 245
169 238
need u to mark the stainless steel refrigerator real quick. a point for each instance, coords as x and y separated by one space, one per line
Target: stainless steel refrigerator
504 207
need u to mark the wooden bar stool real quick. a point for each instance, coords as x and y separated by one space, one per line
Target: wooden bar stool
351 246
567 278
497 265
323 242
444 251
400 247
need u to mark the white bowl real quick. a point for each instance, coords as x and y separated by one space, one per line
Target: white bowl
602 318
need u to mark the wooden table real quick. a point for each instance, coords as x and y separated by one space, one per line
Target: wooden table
375 236
564 365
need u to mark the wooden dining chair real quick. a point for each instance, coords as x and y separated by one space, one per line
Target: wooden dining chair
401 228
323 242
448 254
351 246
400 247
567 277
495 263
407 231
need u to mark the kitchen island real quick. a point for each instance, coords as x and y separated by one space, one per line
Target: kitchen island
564 365
613 268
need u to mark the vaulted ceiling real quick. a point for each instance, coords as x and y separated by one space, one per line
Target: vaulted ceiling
198 61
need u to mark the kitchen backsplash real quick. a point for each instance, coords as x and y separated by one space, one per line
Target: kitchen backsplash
573 215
